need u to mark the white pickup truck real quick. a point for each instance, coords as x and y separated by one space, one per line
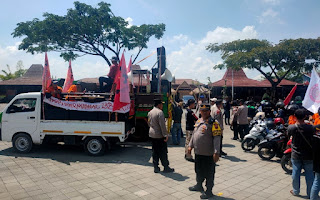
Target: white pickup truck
23 125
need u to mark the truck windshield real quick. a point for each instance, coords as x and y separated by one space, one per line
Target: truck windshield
22 105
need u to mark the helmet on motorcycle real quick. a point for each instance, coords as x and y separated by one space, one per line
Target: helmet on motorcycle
298 99
266 107
260 115
292 108
270 124
278 121
280 104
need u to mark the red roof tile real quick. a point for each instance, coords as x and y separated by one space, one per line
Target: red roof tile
189 81
284 82
239 80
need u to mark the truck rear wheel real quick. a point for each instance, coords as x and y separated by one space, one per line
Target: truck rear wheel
22 143
141 133
95 146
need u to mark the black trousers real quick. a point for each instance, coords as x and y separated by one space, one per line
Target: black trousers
108 81
159 152
235 131
243 130
227 117
205 169
221 143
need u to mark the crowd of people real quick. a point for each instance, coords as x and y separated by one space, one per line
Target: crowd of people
204 135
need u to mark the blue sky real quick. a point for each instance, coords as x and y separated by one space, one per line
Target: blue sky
190 26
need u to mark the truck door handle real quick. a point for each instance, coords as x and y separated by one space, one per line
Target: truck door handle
31 117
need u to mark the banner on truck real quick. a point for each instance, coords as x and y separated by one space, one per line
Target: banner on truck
104 106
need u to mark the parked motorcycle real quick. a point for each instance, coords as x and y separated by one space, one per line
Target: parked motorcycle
258 132
274 147
286 158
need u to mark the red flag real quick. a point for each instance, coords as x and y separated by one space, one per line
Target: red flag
122 97
124 83
46 77
288 98
129 66
69 79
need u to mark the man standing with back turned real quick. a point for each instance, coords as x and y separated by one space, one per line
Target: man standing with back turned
159 137
205 140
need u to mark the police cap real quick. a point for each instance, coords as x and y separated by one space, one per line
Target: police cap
204 107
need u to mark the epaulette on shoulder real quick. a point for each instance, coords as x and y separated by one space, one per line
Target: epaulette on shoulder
211 120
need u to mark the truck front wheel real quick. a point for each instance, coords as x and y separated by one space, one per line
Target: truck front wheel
95 146
22 143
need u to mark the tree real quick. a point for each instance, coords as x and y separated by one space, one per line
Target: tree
85 30
292 76
274 62
18 73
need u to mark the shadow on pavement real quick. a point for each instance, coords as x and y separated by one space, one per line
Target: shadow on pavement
222 198
228 145
234 159
252 152
175 176
134 154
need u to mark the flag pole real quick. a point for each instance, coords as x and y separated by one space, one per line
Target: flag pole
232 85
159 72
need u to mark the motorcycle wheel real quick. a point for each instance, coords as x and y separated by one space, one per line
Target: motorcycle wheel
248 144
286 163
266 153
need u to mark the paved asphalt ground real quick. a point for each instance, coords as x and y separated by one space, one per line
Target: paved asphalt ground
62 172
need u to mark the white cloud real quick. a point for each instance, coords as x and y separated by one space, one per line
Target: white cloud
192 60
270 16
269 13
272 2
129 20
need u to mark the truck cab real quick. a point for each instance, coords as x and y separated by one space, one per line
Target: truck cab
24 124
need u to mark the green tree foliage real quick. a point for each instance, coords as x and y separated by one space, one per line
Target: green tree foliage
85 30
9 75
292 76
275 62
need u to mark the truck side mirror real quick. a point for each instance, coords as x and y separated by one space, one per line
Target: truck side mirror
11 109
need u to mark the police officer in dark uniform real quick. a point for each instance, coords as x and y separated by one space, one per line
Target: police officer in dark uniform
206 141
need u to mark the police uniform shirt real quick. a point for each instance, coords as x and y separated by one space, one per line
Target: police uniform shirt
156 121
217 114
206 137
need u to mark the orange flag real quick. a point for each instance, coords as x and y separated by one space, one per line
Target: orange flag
46 76
69 79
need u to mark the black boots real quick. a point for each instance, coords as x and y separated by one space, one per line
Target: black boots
156 169
196 188
206 195
168 170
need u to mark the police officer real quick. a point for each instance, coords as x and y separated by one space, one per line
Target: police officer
159 137
206 141
216 114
